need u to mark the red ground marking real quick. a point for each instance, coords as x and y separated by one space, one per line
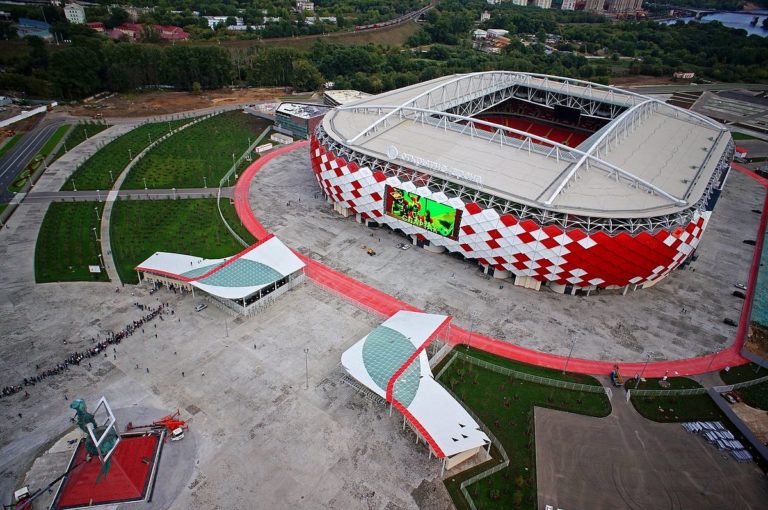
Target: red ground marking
385 305
126 480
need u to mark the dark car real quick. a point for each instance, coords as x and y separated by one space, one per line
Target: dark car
729 322
738 294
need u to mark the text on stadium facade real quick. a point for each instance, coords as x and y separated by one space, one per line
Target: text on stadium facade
394 153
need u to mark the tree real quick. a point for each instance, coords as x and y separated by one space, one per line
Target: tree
74 72
117 17
306 77
196 88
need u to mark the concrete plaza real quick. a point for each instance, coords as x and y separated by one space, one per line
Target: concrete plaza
680 317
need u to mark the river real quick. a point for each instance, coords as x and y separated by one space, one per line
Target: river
733 20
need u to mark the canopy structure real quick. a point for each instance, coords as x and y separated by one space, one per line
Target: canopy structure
391 362
243 278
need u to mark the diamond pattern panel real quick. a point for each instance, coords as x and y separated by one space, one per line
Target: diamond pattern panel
523 247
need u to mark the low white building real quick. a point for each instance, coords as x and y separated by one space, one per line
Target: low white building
391 361
245 283
75 13
569 5
305 5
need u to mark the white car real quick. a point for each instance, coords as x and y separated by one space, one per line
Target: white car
200 306
740 286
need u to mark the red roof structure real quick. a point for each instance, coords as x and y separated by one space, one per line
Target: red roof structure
129 478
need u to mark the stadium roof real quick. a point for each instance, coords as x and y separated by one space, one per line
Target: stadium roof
391 361
650 159
234 277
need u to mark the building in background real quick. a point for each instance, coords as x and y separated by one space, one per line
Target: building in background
75 13
299 119
305 5
624 6
543 4
594 5
569 5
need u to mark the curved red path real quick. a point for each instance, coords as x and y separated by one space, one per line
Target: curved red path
385 305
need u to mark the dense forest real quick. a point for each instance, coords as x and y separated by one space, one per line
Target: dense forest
441 46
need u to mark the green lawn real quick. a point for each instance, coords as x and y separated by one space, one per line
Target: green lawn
66 244
674 408
10 143
78 135
505 405
94 173
742 136
140 228
755 396
199 155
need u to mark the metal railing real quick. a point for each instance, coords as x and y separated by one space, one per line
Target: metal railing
665 393
588 388
226 177
744 384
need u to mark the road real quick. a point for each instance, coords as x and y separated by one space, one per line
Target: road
20 155
670 89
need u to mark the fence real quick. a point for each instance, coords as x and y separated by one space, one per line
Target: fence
588 388
665 393
226 177
488 472
736 386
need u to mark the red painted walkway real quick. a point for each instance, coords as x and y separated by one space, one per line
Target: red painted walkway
383 304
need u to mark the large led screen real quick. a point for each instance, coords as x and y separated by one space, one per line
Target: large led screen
422 212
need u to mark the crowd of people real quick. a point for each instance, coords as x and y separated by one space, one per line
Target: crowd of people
75 358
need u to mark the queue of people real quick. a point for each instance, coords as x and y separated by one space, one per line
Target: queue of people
75 358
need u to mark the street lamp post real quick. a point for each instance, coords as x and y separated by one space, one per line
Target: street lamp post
97 213
130 155
74 187
145 183
306 365
205 183
647 360
150 138
472 317
573 344
174 193
111 177
101 260
95 235
98 195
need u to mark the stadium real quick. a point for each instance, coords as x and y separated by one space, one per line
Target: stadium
540 179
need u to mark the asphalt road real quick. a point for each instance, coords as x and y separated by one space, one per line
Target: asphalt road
22 153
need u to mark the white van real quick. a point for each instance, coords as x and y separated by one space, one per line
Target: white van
200 306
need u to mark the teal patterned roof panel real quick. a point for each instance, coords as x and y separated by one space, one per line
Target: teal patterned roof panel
384 352
200 271
242 273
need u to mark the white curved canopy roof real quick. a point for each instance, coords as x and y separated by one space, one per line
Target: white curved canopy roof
391 362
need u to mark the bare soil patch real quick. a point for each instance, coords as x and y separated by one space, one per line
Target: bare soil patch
165 102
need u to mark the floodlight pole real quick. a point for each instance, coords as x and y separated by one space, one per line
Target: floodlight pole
74 187
712 360
174 193
573 344
472 317
98 195
95 234
306 364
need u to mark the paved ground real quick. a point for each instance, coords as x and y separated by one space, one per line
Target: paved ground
606 327
262 435
625 461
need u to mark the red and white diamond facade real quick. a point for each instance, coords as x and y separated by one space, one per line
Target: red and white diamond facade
557 181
